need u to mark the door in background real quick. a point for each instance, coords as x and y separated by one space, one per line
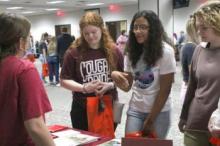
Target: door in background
59 27
115 28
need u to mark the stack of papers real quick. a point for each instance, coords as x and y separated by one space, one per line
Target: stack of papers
72 138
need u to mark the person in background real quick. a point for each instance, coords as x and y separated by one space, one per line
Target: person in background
174 38
43 53
181 39
203 92
43 44
180 42
192 40
149 69
121 41
63 43
37 45
30 53
53 61
23 99
87 67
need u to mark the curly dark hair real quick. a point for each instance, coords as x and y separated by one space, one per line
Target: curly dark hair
152 47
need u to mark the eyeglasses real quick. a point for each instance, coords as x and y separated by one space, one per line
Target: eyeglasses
141 27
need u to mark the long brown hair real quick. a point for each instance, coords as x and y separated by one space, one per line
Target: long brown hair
106 42
12 28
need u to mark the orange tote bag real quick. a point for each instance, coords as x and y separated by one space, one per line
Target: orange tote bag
100 121
45 70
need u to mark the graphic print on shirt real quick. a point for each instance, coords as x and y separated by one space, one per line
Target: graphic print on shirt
144 79
95 70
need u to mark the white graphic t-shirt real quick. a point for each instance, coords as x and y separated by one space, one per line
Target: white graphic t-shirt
146 83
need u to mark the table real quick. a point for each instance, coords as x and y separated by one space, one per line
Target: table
60 128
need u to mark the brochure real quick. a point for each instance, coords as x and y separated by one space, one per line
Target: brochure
72 138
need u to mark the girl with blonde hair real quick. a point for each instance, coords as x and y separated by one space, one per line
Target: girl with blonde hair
53 61
203 92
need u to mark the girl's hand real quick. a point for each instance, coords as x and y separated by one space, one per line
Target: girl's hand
103 87
148 127
91 87
122 80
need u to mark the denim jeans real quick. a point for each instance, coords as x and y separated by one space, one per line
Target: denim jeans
53 65
135 121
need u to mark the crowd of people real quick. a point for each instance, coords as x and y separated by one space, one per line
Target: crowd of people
95 66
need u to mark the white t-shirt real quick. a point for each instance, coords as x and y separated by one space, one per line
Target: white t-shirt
146 83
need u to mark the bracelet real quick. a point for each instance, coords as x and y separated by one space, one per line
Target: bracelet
84 89
113 85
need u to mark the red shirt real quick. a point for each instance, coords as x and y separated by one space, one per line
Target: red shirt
22 97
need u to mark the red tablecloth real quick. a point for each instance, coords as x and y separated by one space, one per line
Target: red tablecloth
56 128
101 139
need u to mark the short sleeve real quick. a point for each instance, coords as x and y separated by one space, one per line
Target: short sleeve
33 100
69 64
168 62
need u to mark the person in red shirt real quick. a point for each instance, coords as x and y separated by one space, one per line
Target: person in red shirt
23 100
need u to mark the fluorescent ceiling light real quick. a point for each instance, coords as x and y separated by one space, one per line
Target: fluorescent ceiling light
27 12
52 9
55 2
94 4
14 8
4 0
